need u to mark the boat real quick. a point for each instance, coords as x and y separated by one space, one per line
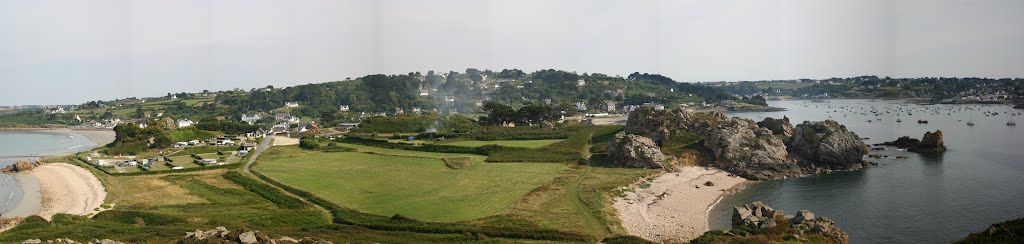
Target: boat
922 121
899 121
970 123
1011 123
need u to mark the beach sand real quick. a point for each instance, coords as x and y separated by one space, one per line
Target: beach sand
65 188
674 208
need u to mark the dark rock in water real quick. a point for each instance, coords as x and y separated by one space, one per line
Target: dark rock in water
777 126
828 145
760 216
635 151
20 166
932 142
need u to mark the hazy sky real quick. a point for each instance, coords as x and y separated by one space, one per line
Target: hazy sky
72 51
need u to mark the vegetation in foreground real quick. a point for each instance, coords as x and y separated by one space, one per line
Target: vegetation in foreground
556 201
1011 231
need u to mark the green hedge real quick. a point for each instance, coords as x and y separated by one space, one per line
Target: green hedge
134 217
270 193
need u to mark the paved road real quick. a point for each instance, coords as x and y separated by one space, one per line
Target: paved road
267 140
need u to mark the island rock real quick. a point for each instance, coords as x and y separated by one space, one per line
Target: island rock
932 142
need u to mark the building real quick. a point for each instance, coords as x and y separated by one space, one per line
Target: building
284 117
291 104
184 123
343 108
609 106
251 118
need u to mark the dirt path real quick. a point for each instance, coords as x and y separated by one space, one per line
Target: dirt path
256 153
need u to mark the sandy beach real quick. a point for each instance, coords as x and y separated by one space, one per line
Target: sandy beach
674 207
59 187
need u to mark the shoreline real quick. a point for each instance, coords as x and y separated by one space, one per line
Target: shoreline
675 207
53 188
57 187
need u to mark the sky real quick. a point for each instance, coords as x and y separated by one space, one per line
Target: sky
72 51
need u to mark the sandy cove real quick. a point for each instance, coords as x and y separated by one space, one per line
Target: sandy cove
58 188
675 206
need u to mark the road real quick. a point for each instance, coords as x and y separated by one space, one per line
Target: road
267 140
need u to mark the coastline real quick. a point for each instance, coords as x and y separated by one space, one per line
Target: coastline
53 188
675 207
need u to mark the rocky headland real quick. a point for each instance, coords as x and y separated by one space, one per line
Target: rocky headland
932 142
770 149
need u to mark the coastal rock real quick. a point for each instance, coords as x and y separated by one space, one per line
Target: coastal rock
20 166
759 215
777 126
222 235
635 151
247 237
662 124
932 142
827 145
741 147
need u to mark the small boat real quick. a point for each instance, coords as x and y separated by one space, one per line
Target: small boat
970 123
1011 123
922 121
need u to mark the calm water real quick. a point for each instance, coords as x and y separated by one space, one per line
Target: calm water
922 199
23 145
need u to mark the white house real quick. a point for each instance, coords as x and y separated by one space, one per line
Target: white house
343 108
184 123
283 117
291 104
581 106
251 118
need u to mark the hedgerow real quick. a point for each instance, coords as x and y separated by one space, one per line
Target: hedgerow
272 194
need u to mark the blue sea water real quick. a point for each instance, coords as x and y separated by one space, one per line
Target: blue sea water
926 198
29 145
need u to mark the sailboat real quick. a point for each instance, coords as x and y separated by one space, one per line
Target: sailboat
1011 123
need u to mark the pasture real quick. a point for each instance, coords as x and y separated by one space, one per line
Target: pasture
417 185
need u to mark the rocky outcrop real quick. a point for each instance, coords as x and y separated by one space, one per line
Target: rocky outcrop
757 215
741 147
167 123
748 149
777 126
662 124
65 240
635 151
932 142
827 145
223 235
20 166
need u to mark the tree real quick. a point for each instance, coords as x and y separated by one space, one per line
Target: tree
139 113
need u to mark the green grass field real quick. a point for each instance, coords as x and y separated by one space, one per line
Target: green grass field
510 143
421 187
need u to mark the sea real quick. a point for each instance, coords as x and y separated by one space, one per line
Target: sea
925 198
30 145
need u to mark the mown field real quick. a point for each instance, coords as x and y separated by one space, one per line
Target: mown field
416 185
